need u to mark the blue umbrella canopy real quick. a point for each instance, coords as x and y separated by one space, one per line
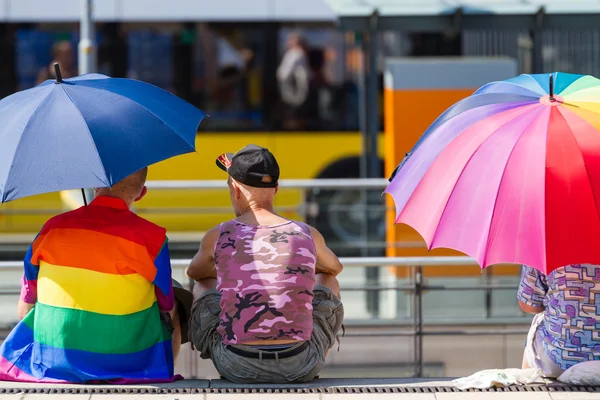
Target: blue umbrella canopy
88 131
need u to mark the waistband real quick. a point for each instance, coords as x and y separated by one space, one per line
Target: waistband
273 347
269 355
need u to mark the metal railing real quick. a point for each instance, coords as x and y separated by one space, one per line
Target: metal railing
300 184
351 224
345 183
308 206
417 287
312 187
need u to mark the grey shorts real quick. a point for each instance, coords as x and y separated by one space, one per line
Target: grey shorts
328 316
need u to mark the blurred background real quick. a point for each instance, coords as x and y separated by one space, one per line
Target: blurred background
311 81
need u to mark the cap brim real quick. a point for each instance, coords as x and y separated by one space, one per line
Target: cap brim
224 161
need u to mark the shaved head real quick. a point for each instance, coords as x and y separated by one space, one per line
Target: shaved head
259 195
128 188
249 195
133 184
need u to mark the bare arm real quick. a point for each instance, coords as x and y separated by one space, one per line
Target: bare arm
28 296
530 309
532 290
203 263
23 309
41 77
327 262
45 73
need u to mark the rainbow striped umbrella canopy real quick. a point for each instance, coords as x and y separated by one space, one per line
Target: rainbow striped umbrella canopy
510 174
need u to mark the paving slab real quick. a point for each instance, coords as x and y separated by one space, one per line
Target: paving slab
574 396
262 396
39 396
191 383
141 397
494 396
327 396
381 396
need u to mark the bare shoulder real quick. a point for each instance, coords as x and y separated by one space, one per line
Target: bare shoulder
211 236
214 231
319 242
315 234
327 261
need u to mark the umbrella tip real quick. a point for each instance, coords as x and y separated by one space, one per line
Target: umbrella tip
552 88
57 73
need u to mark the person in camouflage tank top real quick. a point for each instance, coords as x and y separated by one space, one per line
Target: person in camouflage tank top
267 301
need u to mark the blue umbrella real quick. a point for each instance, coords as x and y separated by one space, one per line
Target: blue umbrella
88 131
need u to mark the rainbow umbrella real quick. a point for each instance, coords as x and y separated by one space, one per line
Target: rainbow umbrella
510 174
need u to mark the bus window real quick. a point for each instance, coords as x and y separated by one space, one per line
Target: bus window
325 97
7 68
313 83
38 46
150 57
228 75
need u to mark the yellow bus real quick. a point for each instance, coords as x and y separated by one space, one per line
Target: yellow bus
232 70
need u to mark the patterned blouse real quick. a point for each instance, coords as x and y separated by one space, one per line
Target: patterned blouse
570 296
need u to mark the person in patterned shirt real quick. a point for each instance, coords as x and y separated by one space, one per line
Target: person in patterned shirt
566 327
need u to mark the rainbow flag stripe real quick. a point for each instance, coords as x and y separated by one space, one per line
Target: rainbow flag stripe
98 290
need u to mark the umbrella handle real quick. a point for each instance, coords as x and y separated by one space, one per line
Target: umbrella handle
59 78
83 194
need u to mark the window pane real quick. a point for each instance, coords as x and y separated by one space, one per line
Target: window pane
316 90
150 53
228 75
39 46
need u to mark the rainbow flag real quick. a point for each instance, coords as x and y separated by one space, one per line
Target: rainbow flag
99 277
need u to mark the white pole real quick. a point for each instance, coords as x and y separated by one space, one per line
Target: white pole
87 40
87 55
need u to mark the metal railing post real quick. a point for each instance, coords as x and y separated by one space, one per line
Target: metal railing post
193 362
420 325
418 320
488 294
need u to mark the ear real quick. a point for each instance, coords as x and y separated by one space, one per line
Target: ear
142 194
237 191
276 189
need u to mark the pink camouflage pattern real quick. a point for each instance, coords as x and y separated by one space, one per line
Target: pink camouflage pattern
266 276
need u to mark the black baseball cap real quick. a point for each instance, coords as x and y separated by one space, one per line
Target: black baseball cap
252 165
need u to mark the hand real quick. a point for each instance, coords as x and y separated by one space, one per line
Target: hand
23 309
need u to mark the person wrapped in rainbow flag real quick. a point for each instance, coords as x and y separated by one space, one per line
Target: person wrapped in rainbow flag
98 303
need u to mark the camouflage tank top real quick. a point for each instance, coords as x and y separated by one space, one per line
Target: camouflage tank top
265 275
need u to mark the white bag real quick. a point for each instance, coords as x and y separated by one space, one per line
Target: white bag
585 374
499 377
